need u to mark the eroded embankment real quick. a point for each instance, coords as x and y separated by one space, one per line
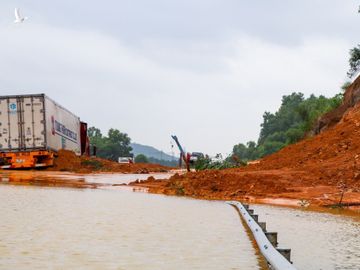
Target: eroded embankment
321 170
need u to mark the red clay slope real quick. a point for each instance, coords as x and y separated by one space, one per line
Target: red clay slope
317 170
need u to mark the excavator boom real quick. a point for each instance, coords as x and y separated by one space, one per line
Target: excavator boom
183 155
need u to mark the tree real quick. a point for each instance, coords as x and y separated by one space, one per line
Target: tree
289 124
112 146
241 151
95 136
283 119
272 147
293 135
141 159
345 86
245 152
354 60
94 132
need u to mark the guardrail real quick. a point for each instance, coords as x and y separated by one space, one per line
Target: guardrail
278 259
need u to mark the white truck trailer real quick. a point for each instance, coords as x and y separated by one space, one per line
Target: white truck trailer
33 128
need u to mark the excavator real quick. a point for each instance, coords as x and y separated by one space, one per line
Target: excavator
183 156
187 157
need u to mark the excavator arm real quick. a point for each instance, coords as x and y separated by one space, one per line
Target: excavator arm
184 156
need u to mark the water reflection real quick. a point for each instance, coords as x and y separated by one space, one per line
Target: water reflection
63 179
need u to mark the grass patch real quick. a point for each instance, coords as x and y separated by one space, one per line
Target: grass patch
94 164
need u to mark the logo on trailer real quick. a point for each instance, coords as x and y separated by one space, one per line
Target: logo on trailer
12 107
62 130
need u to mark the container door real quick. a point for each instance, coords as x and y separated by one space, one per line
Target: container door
4 125
10 124
33 126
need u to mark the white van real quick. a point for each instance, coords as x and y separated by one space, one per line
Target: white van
126 160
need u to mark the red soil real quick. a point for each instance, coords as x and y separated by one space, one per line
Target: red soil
316 170
68 161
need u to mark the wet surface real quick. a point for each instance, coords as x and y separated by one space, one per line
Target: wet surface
317 240
110 178
65 179
108 227
122 178
57 228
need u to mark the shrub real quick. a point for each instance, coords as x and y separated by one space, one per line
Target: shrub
95 164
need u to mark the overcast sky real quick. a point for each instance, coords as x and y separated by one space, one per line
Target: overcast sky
205 70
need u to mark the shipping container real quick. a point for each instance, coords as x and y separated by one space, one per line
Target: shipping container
36 127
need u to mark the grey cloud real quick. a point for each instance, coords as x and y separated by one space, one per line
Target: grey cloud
151 71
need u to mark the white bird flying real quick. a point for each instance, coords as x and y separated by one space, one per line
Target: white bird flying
18 18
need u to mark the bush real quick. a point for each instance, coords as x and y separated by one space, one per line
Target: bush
93 163
141 159
206 163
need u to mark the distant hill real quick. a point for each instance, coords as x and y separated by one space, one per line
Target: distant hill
151 152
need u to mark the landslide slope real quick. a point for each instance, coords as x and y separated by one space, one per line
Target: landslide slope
318 169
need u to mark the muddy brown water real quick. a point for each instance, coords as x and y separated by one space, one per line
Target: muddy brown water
317 240
58 228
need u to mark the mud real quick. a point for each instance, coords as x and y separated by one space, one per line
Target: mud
44 179
114 181
68 161
323 170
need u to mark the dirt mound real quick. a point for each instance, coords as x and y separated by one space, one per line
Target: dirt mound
319 169
68 161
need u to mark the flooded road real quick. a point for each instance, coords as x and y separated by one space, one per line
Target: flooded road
109 227
101 179
123 178
57 228
317 240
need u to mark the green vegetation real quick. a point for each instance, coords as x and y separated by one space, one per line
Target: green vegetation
206 163
354 60
117 144
169 163
289 124
295 117
94 164
112 146
141 159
